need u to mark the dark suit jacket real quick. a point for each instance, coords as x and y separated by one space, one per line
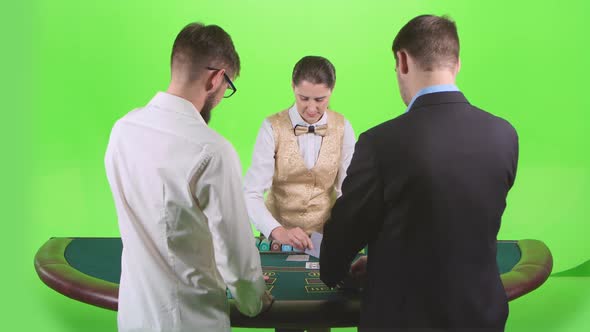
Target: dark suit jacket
426 192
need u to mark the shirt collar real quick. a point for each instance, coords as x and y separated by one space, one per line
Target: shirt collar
169 102
432 89
296 118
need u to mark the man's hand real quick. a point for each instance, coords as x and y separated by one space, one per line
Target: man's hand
358 269
267 301
357 276
295 237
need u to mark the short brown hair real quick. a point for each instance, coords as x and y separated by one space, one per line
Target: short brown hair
432 40
316 70
205 45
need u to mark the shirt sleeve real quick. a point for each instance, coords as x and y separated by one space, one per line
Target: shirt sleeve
347 152
219 193
259 179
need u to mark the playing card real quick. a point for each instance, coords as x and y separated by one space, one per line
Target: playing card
297 258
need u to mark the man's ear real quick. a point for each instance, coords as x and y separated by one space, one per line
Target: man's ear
402 60
458 65
214 80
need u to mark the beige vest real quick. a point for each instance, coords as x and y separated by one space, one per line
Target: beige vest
301 197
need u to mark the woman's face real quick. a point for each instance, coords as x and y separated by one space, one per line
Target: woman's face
311 100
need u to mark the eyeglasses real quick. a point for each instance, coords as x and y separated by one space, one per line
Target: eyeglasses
231 88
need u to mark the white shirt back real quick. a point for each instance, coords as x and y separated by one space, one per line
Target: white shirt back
183 221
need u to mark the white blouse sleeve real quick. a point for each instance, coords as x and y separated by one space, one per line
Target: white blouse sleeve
259 179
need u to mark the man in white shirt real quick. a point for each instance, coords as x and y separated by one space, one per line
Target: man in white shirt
177 190
300 158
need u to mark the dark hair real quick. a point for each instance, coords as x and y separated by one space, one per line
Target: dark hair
432 40
316 70
205 45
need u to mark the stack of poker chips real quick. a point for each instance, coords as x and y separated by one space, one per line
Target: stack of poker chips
298 250
275 246
265 244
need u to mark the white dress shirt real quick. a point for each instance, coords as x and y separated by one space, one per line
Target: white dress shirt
259 177
177 189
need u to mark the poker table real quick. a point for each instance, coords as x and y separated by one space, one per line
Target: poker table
88 270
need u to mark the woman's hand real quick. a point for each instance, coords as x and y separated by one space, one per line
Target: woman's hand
295 237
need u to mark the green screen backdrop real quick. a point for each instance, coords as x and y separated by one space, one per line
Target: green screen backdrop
72 68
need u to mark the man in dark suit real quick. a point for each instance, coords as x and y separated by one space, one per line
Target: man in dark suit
426 192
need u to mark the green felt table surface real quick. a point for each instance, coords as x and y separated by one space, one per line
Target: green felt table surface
288 280
88 270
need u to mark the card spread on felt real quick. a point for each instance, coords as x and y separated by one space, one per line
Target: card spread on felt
312 265
297 258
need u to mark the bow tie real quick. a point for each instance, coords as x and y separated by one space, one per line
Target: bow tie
318 130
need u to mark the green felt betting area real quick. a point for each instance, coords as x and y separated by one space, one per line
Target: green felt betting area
288 280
